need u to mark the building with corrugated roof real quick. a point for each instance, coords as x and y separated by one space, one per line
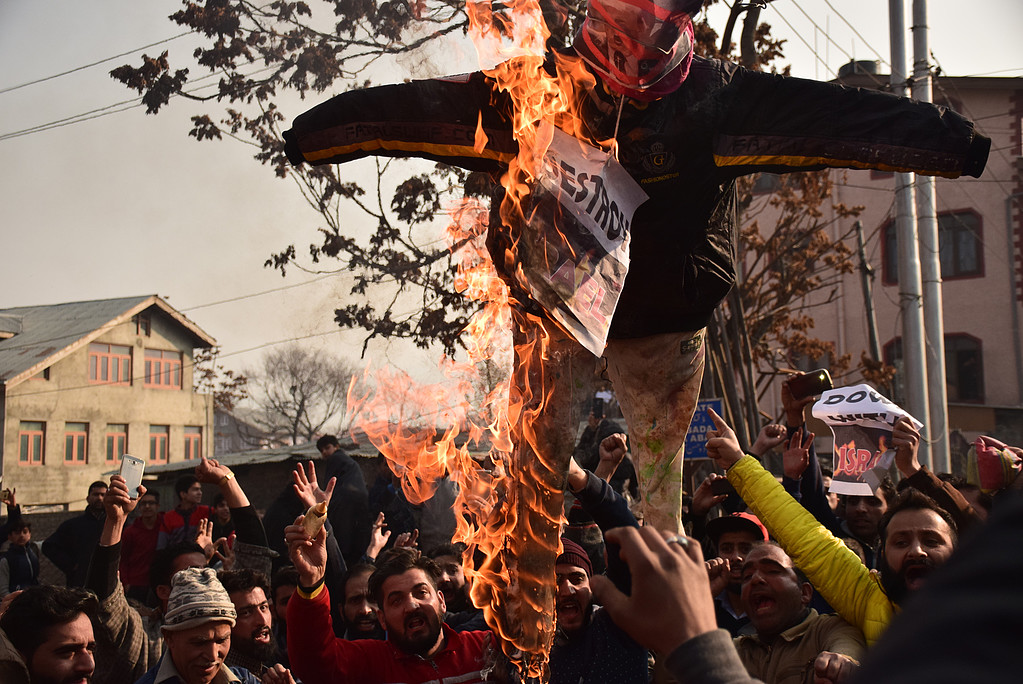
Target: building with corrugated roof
82 383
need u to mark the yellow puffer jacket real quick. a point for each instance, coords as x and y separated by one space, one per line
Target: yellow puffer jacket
835 571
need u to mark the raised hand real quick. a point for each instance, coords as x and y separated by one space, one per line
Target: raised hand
796 457
309 556
670 601
612 450
906 440
769 437
308 489
793 407
704 498
723 445
718 570
378 537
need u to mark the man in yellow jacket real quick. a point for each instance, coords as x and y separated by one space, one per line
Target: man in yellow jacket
916 533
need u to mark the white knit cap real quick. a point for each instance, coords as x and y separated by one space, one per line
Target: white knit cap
197 597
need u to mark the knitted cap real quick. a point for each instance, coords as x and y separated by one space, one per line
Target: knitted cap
574 555
197 597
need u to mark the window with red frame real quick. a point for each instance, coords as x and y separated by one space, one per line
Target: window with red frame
964 368
31 438
109 364
193 442
117 441
76 443
163 369
959 244
158 437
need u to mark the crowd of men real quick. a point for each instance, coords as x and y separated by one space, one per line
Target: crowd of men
789 592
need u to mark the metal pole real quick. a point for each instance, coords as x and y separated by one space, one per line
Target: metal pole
910 289
1014 297
867 280
930 265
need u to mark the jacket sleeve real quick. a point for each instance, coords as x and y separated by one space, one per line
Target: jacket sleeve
772 122
946 496
812 494
317 655
609 509
834 570
122 645
439 119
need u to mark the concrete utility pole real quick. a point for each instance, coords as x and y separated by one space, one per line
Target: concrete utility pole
930 265
914 367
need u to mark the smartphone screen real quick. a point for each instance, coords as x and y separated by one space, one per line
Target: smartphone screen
131 470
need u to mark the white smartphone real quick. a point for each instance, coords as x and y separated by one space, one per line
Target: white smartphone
131 470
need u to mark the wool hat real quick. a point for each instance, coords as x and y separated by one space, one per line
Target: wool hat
197 597
573 554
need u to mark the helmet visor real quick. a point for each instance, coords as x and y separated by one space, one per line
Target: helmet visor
635 45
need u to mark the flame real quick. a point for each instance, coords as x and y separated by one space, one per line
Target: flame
510 492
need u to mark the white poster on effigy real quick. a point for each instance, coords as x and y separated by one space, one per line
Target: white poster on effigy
576 252
861 420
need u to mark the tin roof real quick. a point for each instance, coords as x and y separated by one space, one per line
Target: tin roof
34 337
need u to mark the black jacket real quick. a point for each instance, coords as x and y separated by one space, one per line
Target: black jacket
685 150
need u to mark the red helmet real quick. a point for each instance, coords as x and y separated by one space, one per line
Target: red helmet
636 43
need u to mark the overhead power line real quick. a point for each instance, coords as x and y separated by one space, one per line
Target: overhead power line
92 64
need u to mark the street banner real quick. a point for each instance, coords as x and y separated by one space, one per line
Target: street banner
575 251
861 420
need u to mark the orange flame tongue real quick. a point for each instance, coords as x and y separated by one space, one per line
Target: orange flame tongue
510 498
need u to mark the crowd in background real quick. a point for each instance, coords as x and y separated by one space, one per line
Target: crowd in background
777 580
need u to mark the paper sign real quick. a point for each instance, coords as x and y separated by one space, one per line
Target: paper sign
700 425
575 251
861 420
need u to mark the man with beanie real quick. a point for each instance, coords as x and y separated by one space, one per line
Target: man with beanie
197 633
684 128
588 646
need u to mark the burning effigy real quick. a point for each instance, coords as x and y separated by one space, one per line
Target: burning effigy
613 234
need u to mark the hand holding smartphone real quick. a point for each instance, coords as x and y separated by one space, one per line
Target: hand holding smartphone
810 384
131 470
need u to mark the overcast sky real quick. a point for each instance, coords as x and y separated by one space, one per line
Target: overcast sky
126 204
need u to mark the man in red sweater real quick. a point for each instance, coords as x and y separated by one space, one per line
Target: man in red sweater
182 523
419 647
138 544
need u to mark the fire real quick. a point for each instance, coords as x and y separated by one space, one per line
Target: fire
510 501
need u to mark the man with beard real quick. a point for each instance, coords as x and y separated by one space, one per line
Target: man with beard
50 630
418 649
70 547
359 607
926 532
733 536
462 615
252 642
792 643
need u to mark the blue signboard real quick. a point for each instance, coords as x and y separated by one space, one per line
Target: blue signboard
696 440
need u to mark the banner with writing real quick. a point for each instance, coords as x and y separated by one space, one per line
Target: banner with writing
575 254
861 419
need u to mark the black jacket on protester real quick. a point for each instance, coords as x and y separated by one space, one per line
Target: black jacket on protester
685 150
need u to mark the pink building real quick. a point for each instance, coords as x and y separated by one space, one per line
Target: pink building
981 235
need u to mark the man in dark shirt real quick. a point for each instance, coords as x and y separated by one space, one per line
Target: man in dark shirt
70 547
